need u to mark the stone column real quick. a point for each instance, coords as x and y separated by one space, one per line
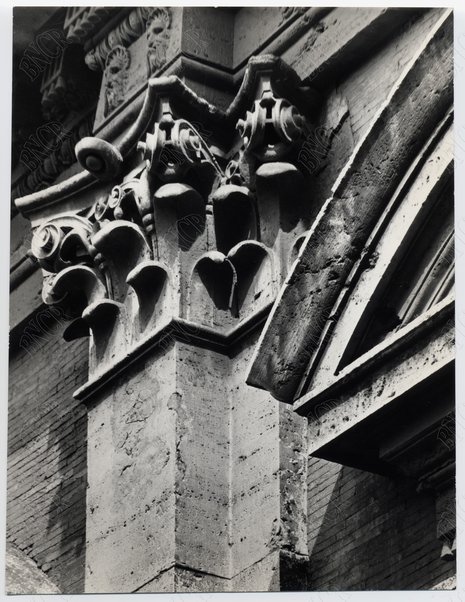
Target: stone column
196 480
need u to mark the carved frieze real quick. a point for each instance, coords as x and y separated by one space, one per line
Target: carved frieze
81 22
126 32
157 32
155 22
115 77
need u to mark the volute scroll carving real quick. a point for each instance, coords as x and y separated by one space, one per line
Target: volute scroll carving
174 147
274 125
61 241
272 128
127 201
201 226
99 157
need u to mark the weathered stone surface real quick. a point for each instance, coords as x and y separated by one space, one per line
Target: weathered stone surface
348 217
332 45
147 254
225 488
415 202
432 353
180 232
131 432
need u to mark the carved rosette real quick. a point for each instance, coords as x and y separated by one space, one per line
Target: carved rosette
188 234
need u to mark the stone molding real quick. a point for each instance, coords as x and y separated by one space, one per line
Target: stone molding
416 196
435 322
181 330
81 22
59 156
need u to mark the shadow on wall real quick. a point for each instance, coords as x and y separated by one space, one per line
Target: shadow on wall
67 515
367 532
47 461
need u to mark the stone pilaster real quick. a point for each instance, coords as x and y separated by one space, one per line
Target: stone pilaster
196 480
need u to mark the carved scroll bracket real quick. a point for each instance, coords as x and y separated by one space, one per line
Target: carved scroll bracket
273 127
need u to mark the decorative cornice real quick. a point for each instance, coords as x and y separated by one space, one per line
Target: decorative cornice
437 320
291 30
221 123
45 164
356 415
179 330
81 22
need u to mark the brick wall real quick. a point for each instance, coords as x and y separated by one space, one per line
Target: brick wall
47 455
366 531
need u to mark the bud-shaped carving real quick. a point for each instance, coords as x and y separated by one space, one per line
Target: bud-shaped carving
148 279
179 229
255 286
234 216
180 214
227 287
215 275
121 246
81 281
279 187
